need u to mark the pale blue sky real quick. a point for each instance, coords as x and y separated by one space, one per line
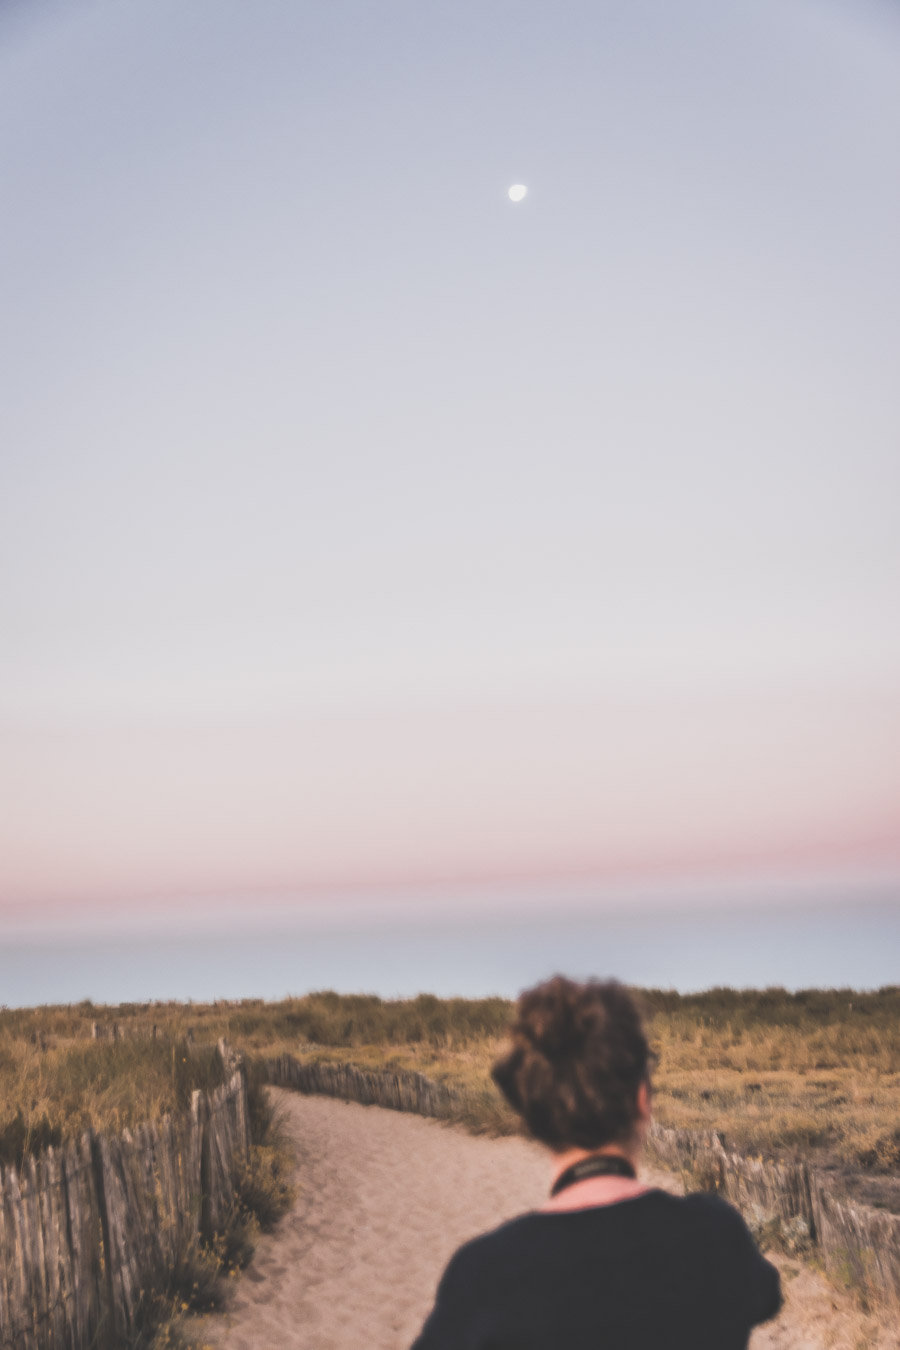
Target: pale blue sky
755 946
307 431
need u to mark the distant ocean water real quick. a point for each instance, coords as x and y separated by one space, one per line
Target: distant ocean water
835 946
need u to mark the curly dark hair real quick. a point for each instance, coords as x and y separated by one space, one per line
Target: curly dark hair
577 1059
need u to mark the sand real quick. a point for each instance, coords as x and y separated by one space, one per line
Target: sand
383 1199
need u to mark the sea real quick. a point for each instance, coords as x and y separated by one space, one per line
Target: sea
850 945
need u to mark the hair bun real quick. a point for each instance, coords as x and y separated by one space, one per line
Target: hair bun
556 1021
577 1058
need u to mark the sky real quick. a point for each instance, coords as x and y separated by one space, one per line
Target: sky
363 534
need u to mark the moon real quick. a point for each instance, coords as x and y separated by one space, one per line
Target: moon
517 192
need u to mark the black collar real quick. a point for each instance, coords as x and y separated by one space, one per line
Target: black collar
599 1165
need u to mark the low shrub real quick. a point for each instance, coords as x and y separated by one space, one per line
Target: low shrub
263 1186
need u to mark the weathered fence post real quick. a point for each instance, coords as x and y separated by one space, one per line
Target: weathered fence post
90 1304
111 1239
200 1120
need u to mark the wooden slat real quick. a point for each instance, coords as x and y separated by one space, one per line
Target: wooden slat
20 1309
220 1159
36 1258
79 1315
159 1173
185 1156
110 1186
6 1262
53 1219
190 1187
200 1108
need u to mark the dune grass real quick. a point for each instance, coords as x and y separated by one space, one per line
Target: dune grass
49 1095
810 1072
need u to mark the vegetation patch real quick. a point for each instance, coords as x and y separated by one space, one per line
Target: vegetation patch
814 1073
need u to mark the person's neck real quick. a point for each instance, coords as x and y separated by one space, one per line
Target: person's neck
563 1161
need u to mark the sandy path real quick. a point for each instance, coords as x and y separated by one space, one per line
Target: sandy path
384 1199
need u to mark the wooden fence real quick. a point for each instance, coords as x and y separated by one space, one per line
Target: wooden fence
403 1091
859 1245
87 1228
120 1031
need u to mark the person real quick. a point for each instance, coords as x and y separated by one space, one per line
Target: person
608 1262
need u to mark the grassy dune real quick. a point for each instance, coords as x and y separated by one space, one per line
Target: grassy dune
817 1071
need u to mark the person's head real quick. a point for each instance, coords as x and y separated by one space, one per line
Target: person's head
577 1068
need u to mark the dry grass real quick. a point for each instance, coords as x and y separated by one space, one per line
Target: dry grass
799 1073
807 1072
47 1095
